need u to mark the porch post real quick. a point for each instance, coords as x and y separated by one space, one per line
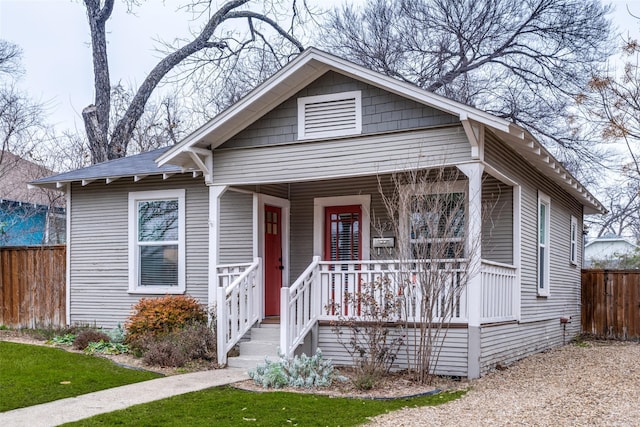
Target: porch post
474 254
215 192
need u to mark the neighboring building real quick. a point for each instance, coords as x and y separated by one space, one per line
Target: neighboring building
606 252
28 216
270 211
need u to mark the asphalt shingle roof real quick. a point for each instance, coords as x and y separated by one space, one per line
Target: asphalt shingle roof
140 164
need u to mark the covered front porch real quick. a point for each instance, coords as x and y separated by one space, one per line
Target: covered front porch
295 278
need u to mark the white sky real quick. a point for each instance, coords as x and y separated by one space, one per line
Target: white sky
55 38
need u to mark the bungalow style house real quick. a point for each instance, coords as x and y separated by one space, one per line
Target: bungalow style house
274 210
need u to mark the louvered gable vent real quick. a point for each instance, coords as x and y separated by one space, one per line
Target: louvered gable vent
336 114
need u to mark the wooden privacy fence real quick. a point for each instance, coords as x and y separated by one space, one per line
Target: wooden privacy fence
611 303
32 286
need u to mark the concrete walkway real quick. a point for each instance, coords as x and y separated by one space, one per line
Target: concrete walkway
87 405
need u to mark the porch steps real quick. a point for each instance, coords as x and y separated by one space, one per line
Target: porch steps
264 342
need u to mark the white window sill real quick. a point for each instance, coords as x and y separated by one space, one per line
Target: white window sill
159 290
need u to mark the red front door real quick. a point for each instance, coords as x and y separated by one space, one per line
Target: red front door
342 233
272 260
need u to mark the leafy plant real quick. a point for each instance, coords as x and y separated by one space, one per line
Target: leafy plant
4 328
160 316
105 347
66 339
301 371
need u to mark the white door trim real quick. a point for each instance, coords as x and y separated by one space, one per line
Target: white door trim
285 206
319 203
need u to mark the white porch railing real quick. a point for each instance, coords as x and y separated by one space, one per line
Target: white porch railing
299 309
239 303
498 292
321 293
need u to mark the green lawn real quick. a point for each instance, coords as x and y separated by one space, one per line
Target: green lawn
31 374
226 406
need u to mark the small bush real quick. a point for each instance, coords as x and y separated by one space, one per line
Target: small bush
160 316
301 371
88 336
116 334
164 353
194 342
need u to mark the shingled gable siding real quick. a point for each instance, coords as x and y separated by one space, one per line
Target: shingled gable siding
539 327
382 111
99 246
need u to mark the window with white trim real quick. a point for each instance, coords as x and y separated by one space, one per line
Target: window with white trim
157 241
544 225
436 222
573 237
335 114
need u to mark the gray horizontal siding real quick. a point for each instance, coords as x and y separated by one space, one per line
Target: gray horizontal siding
452 360
236 227
98 246
505 344
382 111
497 220
565 277
367 155
302 195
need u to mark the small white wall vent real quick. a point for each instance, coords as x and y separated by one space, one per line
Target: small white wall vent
336 114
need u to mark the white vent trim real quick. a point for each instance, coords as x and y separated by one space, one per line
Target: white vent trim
335 114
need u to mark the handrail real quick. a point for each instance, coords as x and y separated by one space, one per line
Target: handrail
298 309
238 308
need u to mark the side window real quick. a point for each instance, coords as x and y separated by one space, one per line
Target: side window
573 237
157 242
437 225
544 222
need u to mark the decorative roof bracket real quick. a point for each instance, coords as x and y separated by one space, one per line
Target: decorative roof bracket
203 160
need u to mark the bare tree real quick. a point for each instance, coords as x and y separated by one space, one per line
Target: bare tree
429 216
611 105
213 38
521 60
163 122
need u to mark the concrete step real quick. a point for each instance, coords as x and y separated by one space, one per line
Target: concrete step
247 362
266 333
259 348
264 342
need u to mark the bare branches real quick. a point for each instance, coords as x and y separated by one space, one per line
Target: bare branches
105 145
481 52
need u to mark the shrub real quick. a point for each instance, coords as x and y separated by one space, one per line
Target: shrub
371 339
116 334
160 316
301 371
88 336
177 348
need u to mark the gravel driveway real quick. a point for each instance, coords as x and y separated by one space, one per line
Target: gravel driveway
596 385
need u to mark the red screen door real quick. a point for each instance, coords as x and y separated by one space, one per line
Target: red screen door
272 260
342 233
